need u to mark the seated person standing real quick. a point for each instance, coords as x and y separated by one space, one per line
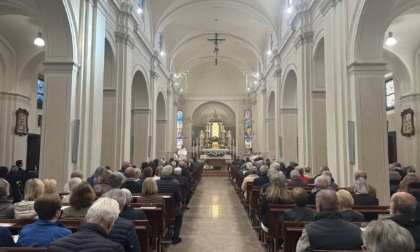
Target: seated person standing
386 235
166 184
92 236
46 229
124 231
329 231
130 183
300 212
81 199
345 202
402 209
7 210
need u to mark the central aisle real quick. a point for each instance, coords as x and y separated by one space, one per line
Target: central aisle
216 221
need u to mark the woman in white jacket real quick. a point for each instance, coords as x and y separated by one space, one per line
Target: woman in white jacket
34 188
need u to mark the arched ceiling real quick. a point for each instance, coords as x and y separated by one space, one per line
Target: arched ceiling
187 24
202 114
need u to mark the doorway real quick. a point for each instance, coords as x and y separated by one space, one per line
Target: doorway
33 151
392 147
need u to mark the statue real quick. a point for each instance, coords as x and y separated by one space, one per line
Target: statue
229 138
201 137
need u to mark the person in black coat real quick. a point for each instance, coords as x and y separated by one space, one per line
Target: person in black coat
180 178
300 212
262 179
363 198
321 182
123 231
402 209
130 183
6 239
295 180
93 235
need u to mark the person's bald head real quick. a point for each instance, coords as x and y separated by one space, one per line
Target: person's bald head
129 172
360 174
403 203
326 200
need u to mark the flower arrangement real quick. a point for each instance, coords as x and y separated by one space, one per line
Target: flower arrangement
207 167
215 154
215 139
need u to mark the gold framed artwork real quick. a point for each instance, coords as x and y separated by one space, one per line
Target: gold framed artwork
407 125
21 127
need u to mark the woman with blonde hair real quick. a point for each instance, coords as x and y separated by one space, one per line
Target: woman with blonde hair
50 186
34 188
80 201
277 193
149 192
345 202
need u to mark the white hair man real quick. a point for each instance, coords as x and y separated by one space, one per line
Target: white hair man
250 178
362 174
167 184
295 180
321 182
184 181
329 231
93 235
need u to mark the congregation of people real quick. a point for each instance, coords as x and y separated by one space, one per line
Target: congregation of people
101 203
328 208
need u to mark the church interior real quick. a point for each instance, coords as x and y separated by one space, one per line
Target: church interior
323 82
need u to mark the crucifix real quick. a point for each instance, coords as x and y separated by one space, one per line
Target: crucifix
216 41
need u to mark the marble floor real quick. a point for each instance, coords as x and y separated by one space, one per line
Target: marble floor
216 221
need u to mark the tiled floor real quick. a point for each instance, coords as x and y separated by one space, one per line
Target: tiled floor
216 221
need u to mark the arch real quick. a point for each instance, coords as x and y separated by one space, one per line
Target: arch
160 107
271 107
29 71
140 93
319 66
400 72
226 112
289 97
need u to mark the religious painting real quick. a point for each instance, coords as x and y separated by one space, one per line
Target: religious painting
407 126
390 94
21 127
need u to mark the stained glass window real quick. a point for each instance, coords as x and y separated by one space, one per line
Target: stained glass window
248 129
40 94
160 43
390 95
179 134
273 45
140 8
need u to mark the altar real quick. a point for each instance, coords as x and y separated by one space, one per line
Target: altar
215 143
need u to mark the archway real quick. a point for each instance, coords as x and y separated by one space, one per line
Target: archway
140 118
318 107
289 117
161 127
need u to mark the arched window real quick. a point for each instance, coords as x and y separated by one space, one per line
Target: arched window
390 95
140 9
179 134
248 129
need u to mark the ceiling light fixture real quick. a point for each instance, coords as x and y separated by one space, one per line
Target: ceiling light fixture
289 10
162 53
139 10
269 52
390 40
39 41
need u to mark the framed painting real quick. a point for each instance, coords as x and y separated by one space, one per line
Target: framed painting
407 125
21 127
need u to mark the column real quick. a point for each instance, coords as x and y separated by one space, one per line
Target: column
140 121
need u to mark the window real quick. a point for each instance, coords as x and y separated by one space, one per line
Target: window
40 93
140 8
179 134
273 45
248 129
390 95
160 43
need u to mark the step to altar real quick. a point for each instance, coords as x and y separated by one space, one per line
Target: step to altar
215 173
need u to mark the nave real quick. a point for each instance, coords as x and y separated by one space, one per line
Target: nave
216 221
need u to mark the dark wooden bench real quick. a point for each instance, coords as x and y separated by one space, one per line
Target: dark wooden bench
140 226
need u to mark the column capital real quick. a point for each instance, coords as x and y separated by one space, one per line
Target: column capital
366 67
60 67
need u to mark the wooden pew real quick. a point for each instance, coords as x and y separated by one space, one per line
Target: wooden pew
156 215
254 206
140 226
